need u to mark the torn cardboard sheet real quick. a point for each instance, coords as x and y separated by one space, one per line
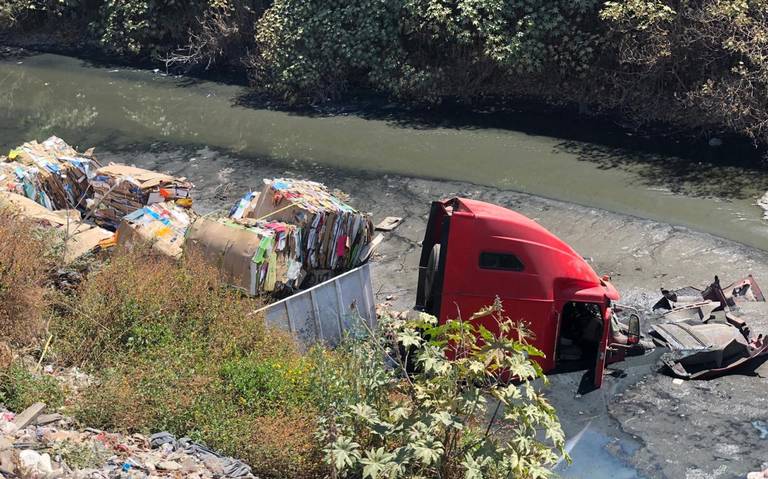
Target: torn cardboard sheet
389 223
77 238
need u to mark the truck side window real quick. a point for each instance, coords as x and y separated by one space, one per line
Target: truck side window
505 261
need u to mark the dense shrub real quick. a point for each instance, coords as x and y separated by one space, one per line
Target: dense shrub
24 265
419 49
697 64
149 27
312 50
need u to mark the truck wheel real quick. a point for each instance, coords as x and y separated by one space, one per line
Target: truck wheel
431 275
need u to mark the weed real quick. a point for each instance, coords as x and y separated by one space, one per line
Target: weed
79 455
20 388
23 270
141 300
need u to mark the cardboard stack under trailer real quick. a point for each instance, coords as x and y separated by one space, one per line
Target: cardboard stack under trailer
333 237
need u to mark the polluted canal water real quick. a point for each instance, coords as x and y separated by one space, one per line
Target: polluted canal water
117 107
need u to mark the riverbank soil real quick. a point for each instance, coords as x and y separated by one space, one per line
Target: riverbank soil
640 424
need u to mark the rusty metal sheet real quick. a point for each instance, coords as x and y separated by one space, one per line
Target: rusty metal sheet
701 351
700 311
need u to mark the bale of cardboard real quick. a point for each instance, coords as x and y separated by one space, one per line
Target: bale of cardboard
163 224
119 190
51 173
332 237
258 258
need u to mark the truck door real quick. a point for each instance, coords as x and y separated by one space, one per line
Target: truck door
601 353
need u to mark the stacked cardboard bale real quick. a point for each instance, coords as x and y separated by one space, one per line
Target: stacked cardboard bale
334 237
119 190
51 173
163 224
260 257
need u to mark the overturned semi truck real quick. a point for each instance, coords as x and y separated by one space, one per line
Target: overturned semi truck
474 251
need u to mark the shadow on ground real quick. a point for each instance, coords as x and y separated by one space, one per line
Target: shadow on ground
682 162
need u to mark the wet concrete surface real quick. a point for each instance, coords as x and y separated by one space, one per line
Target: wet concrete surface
640 424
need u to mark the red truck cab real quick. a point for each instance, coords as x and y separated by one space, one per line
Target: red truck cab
475 251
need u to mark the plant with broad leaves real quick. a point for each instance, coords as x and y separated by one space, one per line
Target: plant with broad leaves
455 413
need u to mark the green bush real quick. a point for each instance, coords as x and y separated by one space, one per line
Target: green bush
20 388
146 27
267 384
449 418
419 49
312 50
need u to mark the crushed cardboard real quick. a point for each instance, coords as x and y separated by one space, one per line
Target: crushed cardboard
76 236
51 173
334 235
119 190
163 224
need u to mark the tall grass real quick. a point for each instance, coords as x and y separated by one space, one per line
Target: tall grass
174 349
24 268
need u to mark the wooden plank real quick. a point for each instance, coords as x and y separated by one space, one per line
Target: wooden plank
28 416
389 223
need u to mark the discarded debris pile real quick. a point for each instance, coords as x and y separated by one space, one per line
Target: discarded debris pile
745 289
703 344
39 445
163 224
75 237
763 203
293 234
51 173
261 257
119 190
334 237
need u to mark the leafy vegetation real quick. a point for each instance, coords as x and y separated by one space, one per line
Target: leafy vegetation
449 418
20 388
692 64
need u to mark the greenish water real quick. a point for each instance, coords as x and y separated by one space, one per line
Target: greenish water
91 105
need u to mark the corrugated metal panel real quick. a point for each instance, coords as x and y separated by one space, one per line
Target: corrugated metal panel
325 312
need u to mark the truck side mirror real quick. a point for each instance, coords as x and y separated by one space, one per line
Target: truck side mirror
633 329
